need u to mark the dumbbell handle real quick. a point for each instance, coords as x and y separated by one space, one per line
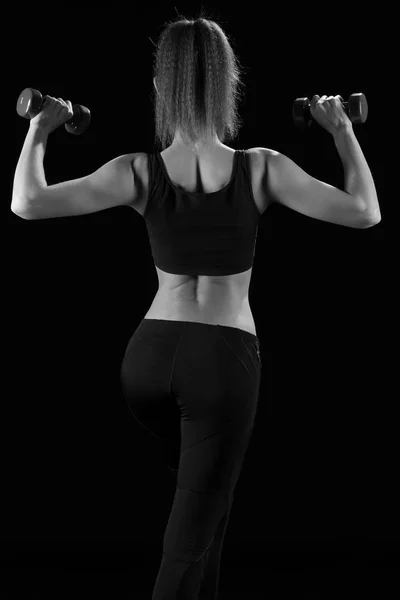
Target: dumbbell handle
343 103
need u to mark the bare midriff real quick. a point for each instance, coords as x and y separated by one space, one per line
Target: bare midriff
203 299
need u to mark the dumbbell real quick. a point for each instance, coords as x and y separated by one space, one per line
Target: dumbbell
30 103
356 109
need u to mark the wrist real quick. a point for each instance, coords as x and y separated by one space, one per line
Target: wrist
38 129
343 131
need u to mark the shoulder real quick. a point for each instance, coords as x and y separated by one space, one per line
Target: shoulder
262 166
132 158
261 158
261 153
265 159
137 163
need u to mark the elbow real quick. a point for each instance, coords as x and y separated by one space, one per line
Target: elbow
371 224
370 215
21 212
369 220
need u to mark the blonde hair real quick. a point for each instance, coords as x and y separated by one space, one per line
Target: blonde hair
199 85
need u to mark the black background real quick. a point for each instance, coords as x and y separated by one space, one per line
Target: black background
85 491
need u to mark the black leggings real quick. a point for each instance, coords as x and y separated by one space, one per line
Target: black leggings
194 386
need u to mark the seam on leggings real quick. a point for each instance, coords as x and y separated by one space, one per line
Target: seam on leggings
236 355
174 360
207 549
201 491
203 440
255 348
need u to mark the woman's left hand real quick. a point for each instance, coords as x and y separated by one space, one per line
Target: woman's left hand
54 112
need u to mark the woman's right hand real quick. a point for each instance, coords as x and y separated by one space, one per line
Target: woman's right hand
329 113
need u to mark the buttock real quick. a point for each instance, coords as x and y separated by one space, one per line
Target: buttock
188 383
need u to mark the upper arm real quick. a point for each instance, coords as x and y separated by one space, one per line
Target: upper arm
291 186
113 184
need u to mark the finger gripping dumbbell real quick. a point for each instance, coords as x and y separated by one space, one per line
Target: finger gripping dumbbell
356 108
30 103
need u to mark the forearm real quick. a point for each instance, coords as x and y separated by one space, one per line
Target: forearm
358 177
29 176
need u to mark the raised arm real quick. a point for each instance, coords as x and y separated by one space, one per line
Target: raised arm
292 187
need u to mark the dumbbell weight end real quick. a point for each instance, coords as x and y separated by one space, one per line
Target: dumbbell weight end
80 120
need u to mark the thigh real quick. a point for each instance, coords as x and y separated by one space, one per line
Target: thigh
215 381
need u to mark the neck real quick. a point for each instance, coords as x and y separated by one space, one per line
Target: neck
196 149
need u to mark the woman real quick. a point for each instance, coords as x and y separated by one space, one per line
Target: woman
191 372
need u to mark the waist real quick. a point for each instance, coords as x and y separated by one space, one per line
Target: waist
228 311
